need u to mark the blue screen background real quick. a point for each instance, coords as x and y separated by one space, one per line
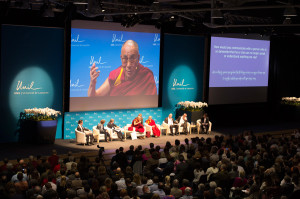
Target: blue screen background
103 47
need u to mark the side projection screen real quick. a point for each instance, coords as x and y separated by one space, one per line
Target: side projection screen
239 70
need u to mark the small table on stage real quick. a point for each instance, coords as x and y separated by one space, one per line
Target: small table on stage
126 132
193 128
163 128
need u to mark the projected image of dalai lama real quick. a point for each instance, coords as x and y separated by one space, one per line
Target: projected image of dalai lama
131 78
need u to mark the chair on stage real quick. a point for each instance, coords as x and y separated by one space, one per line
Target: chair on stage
138 134
180 129
199 126
149 128
97 135
80 137
112 133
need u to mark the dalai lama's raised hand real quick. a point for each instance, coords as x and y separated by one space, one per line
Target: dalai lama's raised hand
104 88
94 74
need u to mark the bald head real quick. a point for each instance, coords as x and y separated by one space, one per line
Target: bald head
130 57
130 43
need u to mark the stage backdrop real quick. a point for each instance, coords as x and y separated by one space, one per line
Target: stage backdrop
121 117
183 63
31 74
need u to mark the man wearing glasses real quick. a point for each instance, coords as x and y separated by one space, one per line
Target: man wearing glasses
131 78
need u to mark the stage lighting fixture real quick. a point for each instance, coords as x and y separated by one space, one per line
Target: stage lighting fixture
48 12
154 6
290 12
108 18
179 23
216 14
155 16
287 20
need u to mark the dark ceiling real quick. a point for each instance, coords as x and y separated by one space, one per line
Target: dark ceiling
195 16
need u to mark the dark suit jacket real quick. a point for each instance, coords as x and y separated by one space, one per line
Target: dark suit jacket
101 128
82 129
166 120
207 120
111 125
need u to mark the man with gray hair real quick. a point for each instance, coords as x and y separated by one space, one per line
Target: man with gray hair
187 193
131 78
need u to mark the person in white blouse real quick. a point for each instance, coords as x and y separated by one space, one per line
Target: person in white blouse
211 170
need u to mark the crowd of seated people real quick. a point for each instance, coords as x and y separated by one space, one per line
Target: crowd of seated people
243 166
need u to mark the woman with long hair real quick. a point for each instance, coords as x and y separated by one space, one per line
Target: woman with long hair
137 179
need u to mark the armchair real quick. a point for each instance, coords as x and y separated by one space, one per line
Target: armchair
149 128
113 134
199 126
180 128
80 137
97 135
138 134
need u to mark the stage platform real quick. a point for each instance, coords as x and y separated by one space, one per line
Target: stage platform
16 150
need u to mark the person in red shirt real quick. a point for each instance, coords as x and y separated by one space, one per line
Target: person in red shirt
53 159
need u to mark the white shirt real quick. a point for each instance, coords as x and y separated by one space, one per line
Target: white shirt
211 170
181 120
121 184
170 121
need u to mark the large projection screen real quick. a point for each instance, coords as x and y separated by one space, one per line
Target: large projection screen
113 67
239 69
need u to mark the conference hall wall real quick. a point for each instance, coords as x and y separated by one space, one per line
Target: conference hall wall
31 74
183 65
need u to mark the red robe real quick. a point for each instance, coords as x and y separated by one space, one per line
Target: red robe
142 84
138 128
155 130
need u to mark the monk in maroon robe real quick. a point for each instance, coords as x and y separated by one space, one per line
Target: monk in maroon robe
137 124
142 84
131 78
155 129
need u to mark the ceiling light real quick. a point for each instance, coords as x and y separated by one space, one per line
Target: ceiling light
216 14
290 12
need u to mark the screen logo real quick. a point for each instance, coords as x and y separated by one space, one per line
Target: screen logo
156 40
117 40
77 41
